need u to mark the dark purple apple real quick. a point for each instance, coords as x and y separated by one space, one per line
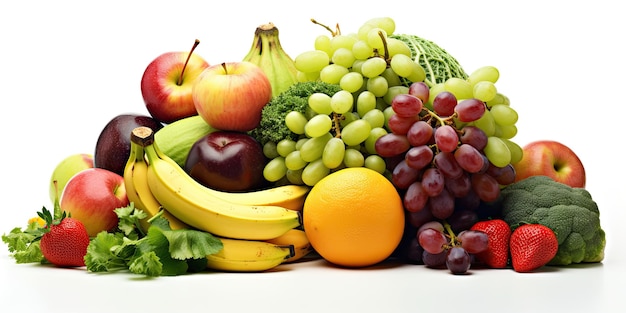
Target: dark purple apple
227 161
113 145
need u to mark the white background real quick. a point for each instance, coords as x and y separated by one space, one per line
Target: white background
68 67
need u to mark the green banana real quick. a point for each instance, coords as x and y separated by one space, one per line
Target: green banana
248 256
197 205
269 55
175 139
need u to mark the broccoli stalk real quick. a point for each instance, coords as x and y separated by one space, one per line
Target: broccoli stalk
272 127
570 212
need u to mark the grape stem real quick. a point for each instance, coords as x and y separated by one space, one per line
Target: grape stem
336 126
453 240
334 33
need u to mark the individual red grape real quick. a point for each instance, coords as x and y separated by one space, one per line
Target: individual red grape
437 260
400 125
433 181
420 90
415 198
473 241
432 224
444 103
420 133
462 219
391 144
468 158
485 186
458 261
503 175
406 105
459 186
403 175
446 138
473 136
441 205
432 240
469 110
419 157
419 218
447 164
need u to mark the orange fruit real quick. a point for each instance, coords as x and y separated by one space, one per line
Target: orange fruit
354 217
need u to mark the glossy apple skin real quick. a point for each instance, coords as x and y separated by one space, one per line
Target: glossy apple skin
67 168
165 99
553 159
228 161
230 96
113 145
91 196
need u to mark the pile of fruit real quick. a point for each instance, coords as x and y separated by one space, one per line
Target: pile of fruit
374 146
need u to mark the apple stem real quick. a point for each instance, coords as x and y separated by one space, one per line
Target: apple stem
182 73
224 67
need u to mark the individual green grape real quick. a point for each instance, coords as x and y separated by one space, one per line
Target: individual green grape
301 142
394 91
361 50
332 73
342 102
402 65
365 102
322 43
504 114
461 88
506 131
486 123
418 74
397 47
285 146
294 177
312 149
356 66
333 153
353 158
342 41
377 85
293 161
516 151
295 121
484 90
497 152
389 112
343 57
392 78
314 172
311 61
351 82
370 141
386 23
375 39
348 118
485 73
373 67
318 126
275 169
498 99
356 132
375 117
376 163
307 77
269 150
320 103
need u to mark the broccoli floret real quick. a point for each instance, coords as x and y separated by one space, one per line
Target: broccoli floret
272 126
570 212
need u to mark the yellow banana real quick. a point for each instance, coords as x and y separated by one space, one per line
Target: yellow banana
298 239
138 191
197 206
248 256
269 55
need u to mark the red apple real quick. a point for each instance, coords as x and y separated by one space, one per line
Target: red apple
230 96
227 160
91 196
552 159
167 82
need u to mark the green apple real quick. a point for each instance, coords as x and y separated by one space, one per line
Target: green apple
67 168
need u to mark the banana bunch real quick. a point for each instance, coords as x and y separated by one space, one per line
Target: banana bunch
219 213
296 238
269 55
138 191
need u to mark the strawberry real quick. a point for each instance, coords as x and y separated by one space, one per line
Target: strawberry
499 233
65 240
532 246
